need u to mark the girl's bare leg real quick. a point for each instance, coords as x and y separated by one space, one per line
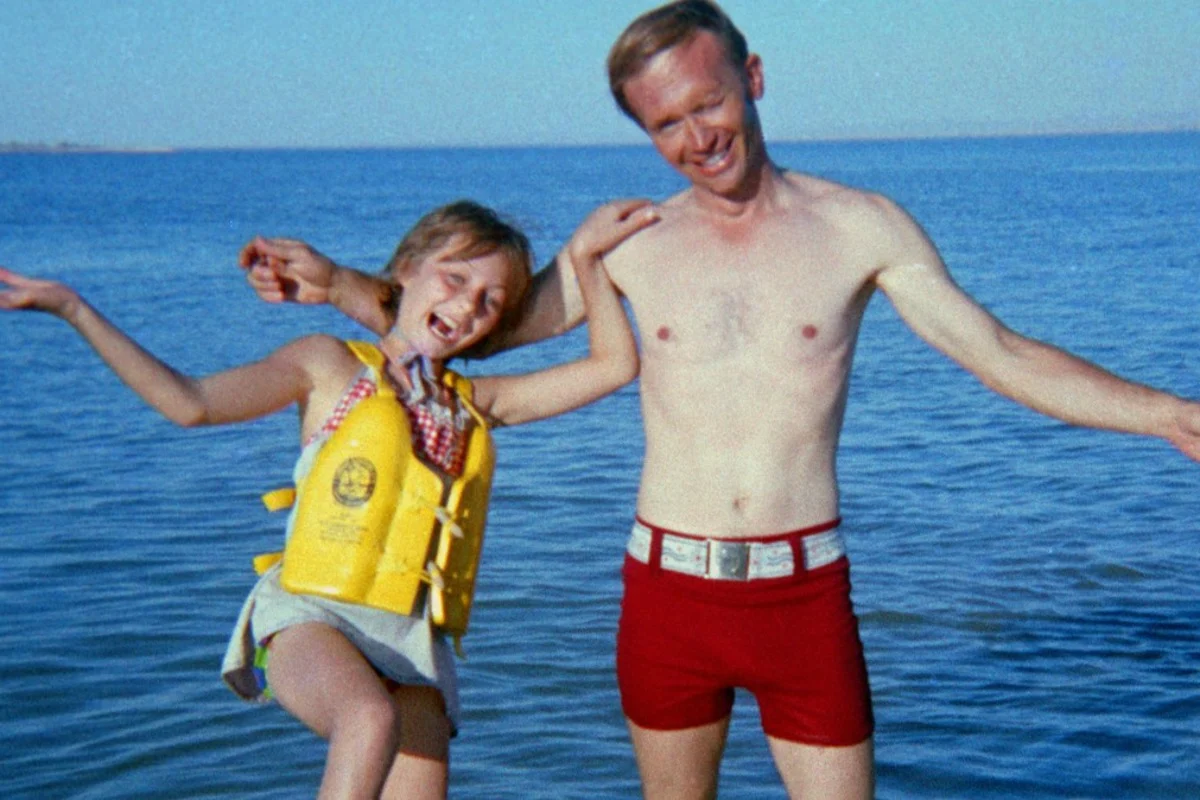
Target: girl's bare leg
421 766
325 682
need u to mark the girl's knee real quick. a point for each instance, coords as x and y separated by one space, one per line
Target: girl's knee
376 713
410 719
423 725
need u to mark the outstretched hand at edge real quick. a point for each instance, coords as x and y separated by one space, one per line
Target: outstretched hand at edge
33 294
1185 434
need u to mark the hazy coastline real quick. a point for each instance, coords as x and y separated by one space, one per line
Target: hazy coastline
72 147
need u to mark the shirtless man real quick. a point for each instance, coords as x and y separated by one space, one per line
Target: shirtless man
749 294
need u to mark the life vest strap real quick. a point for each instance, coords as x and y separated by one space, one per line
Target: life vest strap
265 561
279 499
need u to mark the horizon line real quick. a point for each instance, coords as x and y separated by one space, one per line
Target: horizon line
68 147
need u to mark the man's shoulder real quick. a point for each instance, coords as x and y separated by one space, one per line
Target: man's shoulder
672 215
867 227
839 202
659 244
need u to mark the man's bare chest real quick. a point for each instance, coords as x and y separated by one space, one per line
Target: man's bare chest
700 304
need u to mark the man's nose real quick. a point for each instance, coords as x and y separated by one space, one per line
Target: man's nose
699 134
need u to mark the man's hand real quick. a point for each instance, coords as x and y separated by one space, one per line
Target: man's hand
287 270
1186 434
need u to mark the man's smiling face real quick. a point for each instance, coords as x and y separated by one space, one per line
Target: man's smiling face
698 110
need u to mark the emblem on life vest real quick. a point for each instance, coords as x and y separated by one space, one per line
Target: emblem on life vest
354 482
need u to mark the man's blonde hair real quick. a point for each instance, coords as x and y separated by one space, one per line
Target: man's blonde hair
663 28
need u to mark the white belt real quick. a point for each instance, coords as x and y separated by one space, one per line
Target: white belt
735 560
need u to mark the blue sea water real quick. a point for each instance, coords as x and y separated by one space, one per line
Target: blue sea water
1029 593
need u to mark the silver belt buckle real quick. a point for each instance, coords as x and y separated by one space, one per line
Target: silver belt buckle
728 560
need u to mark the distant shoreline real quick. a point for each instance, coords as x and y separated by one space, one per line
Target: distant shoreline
67 148
71 147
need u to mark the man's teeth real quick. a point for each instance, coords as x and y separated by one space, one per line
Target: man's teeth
716 158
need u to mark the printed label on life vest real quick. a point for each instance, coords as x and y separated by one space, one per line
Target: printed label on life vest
354 482
346 531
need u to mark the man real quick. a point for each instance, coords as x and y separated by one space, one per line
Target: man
749 294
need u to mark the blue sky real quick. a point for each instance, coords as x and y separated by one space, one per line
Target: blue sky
309 73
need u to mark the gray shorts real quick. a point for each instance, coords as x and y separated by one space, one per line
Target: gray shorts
404 649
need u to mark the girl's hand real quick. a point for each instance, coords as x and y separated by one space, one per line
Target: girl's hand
607 227
32 294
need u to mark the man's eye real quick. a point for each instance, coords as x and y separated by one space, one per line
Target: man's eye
453 278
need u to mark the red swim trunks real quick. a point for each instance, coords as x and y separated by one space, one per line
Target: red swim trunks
686 642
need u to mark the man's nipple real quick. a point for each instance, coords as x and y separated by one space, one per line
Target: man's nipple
809 331
664 333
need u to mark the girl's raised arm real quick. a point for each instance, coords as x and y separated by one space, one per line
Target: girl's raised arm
243 393
612 361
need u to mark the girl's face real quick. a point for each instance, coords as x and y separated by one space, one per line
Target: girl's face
450 302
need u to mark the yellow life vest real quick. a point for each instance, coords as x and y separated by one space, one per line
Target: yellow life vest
375 524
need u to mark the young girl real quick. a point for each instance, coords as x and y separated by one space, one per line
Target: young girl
381 685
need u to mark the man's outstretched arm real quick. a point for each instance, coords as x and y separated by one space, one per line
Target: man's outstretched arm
554 305
1033 373
289 270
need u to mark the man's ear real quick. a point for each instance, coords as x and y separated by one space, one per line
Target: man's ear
755 84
